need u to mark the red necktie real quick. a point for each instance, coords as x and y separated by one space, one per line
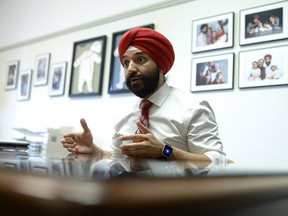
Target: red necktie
144 119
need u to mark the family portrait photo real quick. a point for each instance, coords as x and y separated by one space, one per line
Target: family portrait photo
12 75
117 77
212 73
57 79
213 33
41 69
24 85
264 23
263 67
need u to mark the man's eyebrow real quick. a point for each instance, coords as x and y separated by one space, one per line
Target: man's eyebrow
138 53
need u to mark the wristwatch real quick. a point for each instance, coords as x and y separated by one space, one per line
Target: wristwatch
166 151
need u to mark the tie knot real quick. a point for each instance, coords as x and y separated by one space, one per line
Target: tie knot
145 104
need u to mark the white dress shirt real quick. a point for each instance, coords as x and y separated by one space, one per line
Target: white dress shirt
178 118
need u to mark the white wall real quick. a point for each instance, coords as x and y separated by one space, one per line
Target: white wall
252 121
30 19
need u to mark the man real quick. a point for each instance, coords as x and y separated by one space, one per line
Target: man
274 22
251 26
267 63
262 68
181 127
202 39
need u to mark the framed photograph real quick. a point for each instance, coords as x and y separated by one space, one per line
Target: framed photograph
88 67
57 79
213 33
24 85
12 75
265 23
263 67
212 73
41 69
117 82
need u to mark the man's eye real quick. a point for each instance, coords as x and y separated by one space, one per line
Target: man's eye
126 64
140 59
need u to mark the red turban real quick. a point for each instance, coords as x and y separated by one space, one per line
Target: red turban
152 43
256 17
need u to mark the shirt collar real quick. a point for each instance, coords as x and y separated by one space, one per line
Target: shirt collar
160 95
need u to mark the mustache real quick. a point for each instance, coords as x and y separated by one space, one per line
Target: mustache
137 76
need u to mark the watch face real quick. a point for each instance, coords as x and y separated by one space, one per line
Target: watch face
167 150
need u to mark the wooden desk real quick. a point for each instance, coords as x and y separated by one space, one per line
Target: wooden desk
39 193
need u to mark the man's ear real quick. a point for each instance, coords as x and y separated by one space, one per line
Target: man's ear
161 72
162 76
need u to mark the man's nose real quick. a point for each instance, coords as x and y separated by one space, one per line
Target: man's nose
132 68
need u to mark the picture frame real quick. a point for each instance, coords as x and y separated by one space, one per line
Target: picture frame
254 73
87 67
213 33
263 24
212 73
12 75
117 83
41 69
57 79
24 85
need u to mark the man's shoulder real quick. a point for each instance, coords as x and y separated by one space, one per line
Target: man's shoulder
184 95
181 91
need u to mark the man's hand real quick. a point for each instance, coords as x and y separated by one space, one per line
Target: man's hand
79 142
143 145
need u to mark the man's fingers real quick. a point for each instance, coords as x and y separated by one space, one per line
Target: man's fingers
84 125
72 135
142 128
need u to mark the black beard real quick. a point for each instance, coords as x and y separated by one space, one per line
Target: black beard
150 82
